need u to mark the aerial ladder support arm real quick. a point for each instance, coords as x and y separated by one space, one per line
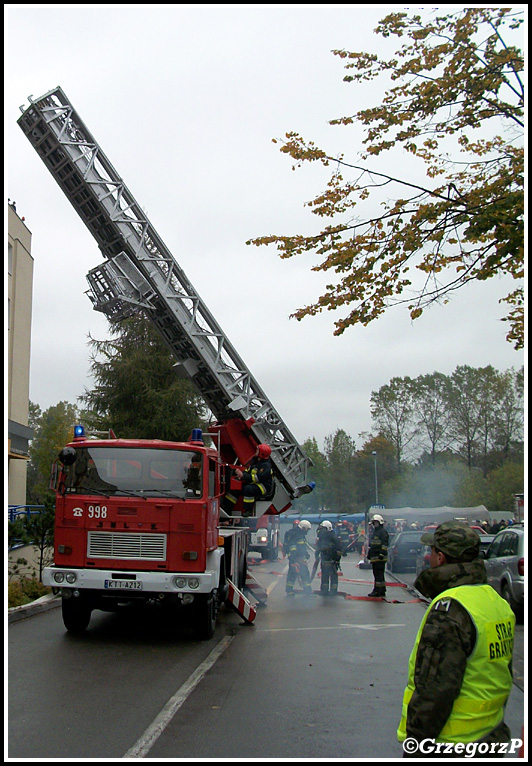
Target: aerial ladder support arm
140 273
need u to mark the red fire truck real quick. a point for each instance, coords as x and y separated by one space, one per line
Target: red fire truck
141 520
265 536
138 521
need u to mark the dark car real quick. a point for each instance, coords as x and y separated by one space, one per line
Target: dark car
505 566
404 550
423 559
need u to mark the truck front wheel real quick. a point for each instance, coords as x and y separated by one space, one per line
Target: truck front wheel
76 615
205 614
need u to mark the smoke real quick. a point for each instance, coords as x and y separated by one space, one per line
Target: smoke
425 487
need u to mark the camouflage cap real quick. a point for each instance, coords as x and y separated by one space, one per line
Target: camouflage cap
452 538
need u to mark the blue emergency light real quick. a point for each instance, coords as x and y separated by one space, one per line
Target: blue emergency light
79 432
304 489
197 435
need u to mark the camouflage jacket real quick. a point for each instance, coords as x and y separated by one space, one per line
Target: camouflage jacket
447 640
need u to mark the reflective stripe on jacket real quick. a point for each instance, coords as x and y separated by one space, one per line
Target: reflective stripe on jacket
260 473
378 545
487 681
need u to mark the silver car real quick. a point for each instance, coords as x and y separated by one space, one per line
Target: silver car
505 565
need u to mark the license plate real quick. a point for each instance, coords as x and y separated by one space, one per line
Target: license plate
123 584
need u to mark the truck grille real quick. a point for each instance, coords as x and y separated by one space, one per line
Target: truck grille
126 545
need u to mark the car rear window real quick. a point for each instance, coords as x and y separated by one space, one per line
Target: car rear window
410 536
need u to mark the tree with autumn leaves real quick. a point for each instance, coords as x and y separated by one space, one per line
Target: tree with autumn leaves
455 108
477 414
437 440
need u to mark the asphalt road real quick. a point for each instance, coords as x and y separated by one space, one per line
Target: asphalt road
312 678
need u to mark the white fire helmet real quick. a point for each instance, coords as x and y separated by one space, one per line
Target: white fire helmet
304 524
378 518
326 525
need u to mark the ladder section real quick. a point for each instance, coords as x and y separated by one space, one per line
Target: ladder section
141 274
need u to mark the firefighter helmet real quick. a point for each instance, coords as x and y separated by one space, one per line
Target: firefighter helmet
378 518
304 524
264 451
326 525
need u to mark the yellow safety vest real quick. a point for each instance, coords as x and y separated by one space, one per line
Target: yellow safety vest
487 682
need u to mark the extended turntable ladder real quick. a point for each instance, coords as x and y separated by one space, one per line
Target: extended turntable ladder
141 273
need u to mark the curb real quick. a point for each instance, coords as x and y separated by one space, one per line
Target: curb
42 604
409 588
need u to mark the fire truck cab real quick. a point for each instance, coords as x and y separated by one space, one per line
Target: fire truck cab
138 521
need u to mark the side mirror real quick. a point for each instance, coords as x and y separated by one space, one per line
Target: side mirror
67 456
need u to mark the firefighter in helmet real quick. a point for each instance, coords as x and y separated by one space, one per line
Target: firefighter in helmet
257 481
288 537
298 555
328 552
378 555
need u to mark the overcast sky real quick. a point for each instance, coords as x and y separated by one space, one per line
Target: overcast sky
185 100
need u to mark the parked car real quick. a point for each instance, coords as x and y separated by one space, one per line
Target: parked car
423 559
505 565
485 542
403 551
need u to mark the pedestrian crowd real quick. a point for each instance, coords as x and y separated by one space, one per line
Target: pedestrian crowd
489 529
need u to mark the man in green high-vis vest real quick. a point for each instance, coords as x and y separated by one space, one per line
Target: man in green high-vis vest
460 669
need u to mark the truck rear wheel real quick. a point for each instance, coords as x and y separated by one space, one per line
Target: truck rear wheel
76 615
205 614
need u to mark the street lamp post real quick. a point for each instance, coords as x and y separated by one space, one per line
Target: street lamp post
374 453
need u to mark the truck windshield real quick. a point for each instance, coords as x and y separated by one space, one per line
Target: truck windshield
135 471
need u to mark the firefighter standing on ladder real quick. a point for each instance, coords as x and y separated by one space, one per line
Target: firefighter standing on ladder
257 481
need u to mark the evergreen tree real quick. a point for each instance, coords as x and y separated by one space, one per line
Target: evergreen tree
137 392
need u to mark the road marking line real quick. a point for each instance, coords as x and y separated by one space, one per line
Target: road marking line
275 582
332 627
154 731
